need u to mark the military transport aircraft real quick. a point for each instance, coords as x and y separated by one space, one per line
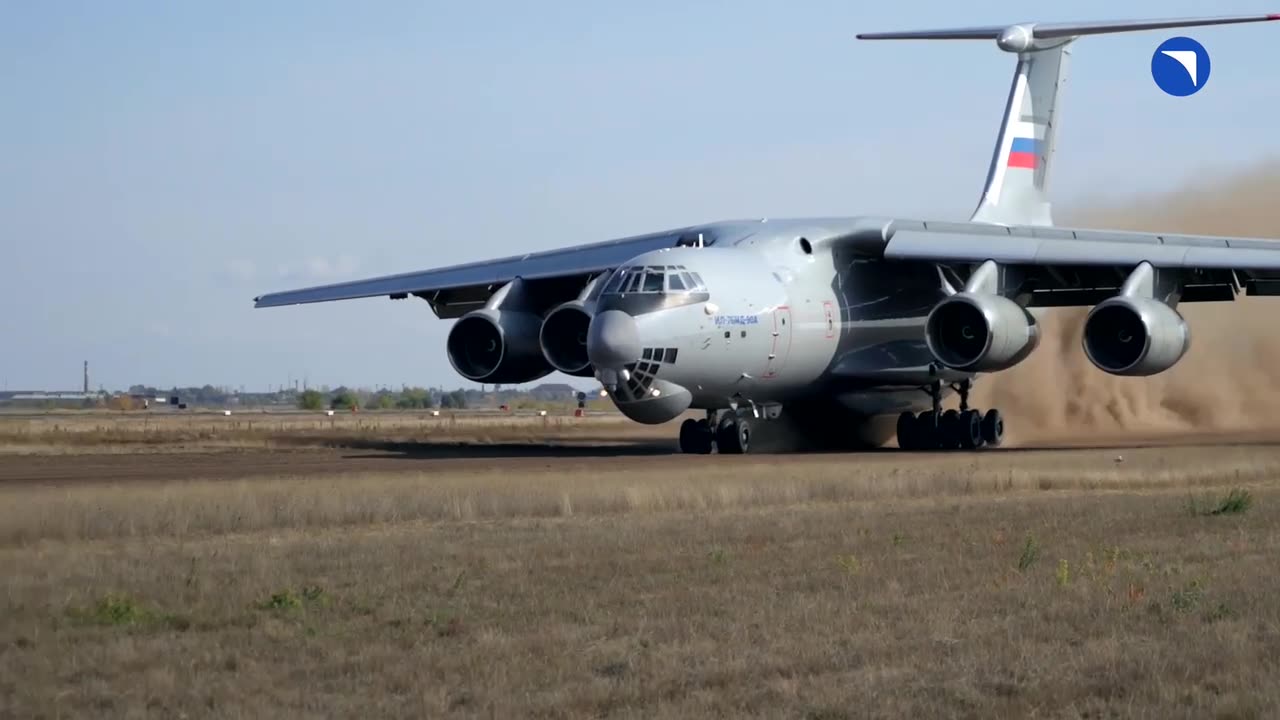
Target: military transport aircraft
838 328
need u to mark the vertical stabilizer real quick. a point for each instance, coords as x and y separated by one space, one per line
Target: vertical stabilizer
1017 186
1016 191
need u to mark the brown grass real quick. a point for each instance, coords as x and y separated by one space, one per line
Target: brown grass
1016 584
69 433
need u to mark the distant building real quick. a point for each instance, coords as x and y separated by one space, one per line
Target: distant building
48 399
37 395
550 392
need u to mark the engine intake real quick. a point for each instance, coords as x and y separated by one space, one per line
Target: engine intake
497 346
564 339
1135 336
977 332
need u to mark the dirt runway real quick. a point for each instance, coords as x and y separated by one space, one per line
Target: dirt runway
1156 450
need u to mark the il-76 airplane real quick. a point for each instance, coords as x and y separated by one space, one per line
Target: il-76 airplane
840 332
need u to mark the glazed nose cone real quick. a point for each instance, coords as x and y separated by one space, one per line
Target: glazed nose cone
613 341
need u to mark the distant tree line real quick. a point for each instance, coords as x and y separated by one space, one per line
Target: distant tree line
408 398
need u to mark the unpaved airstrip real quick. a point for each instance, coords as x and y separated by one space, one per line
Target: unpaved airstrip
378 572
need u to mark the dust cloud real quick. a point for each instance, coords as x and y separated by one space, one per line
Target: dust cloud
1229 380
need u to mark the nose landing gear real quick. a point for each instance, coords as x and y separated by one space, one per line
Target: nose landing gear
963 429
696 437
732 433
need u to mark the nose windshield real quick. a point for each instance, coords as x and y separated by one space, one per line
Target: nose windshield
655 279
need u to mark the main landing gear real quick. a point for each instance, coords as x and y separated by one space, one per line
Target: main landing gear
732 433
963 429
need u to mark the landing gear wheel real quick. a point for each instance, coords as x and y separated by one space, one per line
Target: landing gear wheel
908 432
733 437
695 437
993 428
969 427
949 434
927 431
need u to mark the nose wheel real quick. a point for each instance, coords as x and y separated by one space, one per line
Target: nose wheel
732 434
963 429
696 437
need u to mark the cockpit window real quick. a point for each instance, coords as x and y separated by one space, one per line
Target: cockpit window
655 279
615 282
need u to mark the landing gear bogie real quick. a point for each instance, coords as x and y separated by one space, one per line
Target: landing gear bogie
962 429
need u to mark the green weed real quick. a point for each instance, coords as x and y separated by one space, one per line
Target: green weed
1030 553
850 563
1237 502
1188 598
287 600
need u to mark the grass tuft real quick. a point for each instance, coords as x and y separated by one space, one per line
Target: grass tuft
1236 502
287 600
111 610
1030 553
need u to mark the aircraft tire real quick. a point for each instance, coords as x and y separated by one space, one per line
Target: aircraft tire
696 437
969 427
908 432
949 432
926 431
733 436
992 428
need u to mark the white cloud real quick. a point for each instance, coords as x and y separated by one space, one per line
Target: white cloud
241 269
320 268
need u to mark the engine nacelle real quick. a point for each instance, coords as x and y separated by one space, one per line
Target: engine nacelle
497 346
978 332
564 339
1135 336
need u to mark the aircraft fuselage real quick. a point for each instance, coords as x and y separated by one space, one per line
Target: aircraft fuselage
779 321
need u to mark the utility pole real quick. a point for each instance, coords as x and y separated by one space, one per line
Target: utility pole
86 377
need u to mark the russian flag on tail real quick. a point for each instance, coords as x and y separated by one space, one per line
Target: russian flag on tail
1023 152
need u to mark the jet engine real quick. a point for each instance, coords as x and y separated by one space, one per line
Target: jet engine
978 332
564 339
1135 336
497 346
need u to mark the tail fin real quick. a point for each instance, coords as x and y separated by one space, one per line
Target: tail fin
1016 191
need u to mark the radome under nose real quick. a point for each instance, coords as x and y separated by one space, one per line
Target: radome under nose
613 341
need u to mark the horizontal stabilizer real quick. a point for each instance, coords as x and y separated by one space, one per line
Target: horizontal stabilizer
1050 31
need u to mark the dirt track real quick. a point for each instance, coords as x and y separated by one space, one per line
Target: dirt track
462 459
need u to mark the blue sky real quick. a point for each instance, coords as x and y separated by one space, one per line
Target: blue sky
165 162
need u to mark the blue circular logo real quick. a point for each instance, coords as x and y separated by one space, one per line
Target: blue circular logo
1180 66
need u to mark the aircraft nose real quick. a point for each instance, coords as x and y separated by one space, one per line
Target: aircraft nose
613 341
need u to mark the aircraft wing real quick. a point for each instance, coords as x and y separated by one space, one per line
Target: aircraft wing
1066 266
454 290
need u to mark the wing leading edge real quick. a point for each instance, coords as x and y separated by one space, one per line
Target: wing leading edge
558 263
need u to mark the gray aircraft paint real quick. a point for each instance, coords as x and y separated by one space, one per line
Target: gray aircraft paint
854 292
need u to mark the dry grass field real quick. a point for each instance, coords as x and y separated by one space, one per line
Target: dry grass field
97 432
628 582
